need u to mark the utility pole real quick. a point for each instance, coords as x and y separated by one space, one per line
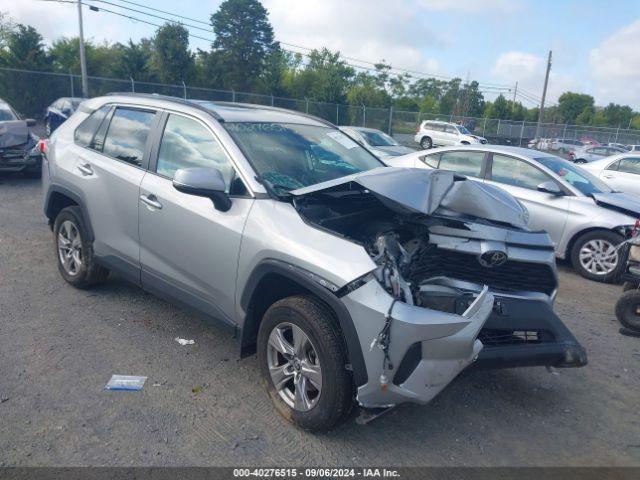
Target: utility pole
515 92
544 95
83 60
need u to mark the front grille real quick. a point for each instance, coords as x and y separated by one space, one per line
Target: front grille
12 153
493 337
512 276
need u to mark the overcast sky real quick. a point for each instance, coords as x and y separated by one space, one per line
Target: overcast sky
594 42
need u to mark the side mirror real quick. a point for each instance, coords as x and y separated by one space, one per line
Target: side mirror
30 122
203 182
550 187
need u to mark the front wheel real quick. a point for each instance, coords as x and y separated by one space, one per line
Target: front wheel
628 310
426 143
303 360
594 255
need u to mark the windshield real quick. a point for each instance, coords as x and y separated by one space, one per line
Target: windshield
462 129
574 175
6 114
378 139
290 156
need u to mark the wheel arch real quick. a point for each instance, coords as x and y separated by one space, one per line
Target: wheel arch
58 198
273 280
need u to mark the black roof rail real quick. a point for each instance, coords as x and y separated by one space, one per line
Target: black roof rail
198 104
169 98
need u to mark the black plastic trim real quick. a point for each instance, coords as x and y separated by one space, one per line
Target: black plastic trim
76 197
296 274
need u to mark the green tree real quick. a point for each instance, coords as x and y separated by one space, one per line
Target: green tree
172 59
24 49
500 108
571 104
244 41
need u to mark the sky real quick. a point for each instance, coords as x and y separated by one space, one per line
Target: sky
497 42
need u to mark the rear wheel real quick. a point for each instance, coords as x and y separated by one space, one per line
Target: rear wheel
628 310
74 252
302 360
426 143
594 255
580 160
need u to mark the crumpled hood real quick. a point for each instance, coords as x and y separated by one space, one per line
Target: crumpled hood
392 150
424 191
13 132
621 202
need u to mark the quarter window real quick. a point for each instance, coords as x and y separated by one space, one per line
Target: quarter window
614 165
84 133
512 171
431 160
466 163
187 143
127 135
630 165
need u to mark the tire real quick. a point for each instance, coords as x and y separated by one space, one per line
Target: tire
320 349
591 243
426 143
630 286
628 310
70 241
580 161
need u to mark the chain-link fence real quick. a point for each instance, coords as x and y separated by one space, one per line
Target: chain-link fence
30 92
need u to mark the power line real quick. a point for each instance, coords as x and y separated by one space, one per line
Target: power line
165 12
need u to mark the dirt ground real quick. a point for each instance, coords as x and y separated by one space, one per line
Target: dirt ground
203 406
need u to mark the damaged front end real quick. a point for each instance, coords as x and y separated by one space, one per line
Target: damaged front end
456 268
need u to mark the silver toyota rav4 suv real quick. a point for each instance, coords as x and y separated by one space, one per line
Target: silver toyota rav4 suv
352 280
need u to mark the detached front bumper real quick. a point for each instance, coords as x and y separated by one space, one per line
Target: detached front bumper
526 332
427 350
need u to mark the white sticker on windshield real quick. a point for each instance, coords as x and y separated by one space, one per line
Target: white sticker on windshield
342 139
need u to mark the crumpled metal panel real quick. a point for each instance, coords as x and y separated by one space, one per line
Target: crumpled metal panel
13 132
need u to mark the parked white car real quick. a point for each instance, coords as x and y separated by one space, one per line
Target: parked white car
621 172
584 217
565 144
432 132
634 148
590 153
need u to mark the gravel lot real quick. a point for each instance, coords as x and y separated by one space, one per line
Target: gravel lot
203 406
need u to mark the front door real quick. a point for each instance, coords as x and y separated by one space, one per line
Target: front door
546 211
624 175
188 249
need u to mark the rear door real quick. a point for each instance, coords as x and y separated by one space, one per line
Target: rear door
189 250
624 175
520 178
110 173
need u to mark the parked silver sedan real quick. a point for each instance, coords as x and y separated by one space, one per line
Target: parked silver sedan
621 172
377 142
584 217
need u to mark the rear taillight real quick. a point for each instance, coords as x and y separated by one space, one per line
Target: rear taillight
42 146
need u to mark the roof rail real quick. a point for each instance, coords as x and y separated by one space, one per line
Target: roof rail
275 109
169 98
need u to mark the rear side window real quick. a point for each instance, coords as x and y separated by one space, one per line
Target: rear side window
465 163
630 165
88 128
127 135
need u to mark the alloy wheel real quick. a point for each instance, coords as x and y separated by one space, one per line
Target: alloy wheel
294 367
599 257
70 247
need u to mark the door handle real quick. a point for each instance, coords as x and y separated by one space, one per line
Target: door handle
85 169
151 201
608 176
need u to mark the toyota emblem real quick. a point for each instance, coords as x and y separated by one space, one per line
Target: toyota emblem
492 258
